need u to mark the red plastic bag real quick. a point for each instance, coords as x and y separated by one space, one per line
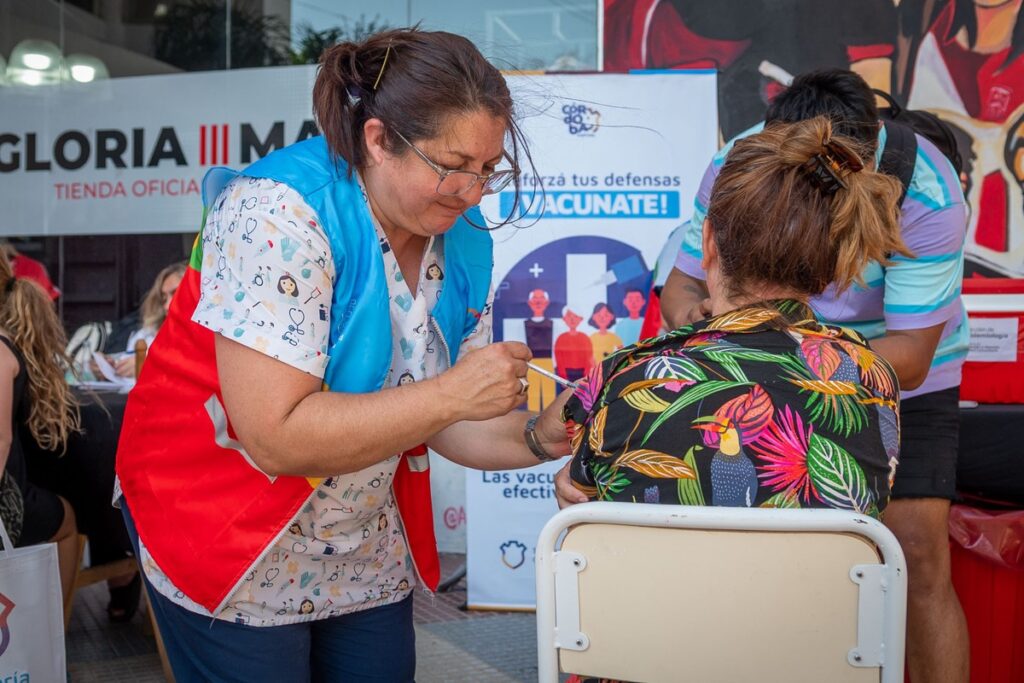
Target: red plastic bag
996 536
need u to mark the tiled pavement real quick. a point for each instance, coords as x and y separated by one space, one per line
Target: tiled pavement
452 644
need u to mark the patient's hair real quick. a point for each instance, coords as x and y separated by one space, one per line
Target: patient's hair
794 207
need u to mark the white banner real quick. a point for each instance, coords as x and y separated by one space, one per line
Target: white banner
621 158
127 155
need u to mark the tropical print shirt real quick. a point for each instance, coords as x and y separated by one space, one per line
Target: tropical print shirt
762 406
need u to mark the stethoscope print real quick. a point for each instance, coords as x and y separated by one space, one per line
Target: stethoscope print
298 318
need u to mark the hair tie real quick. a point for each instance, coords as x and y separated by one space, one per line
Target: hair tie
9 287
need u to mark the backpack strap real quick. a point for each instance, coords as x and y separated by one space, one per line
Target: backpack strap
900 155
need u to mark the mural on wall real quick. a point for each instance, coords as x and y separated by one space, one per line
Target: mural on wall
962 59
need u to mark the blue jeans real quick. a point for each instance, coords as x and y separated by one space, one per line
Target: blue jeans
373 645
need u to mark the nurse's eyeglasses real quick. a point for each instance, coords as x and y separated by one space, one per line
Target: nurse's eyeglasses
453 182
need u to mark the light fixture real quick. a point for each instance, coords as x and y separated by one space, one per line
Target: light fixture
34 62
85 68
37 60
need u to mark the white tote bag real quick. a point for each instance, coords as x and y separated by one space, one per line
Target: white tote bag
31 614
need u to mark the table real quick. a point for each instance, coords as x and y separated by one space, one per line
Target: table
84 474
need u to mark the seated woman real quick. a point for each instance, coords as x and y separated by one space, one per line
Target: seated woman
759 405
36 402
146 323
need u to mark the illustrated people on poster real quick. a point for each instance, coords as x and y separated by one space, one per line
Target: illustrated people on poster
628 328
604 341
574 354
539 331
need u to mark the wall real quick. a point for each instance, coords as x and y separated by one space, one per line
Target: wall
962 59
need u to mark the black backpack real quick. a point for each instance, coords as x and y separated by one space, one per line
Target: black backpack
900 153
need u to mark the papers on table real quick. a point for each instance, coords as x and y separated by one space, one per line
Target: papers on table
111 380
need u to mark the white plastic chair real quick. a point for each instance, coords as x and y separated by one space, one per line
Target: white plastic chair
656 593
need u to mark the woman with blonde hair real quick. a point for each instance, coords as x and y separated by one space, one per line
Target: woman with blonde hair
151 316
35 397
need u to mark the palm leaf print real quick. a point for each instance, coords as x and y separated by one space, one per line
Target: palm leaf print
731 365
836 476
608 479
703 339
588 388
575 432
728 355
821 356
750 412
834 404
650 384
691 396
875 373
784 499
789 306
689 490
674 367
645 401
743 319
683 331
655 464
596 438
783 447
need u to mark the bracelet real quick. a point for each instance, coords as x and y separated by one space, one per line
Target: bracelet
530 436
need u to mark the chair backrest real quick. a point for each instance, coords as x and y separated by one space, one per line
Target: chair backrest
86 340
670 593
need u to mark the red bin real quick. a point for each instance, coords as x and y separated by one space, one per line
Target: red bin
987 552
994 371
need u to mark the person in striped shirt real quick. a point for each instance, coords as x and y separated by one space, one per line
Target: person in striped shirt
910 310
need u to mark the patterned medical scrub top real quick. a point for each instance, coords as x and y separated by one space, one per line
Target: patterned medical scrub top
759 407
267 283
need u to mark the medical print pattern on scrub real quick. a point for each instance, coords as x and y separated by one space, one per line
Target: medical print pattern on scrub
269 287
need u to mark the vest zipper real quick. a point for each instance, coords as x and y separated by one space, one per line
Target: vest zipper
444 342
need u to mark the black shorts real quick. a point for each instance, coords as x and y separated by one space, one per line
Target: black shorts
930 437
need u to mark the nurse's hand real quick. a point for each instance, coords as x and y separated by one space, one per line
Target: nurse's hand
486 383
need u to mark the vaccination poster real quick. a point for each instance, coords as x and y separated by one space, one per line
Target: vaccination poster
618 159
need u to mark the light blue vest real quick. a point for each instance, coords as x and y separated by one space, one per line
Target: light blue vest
360 341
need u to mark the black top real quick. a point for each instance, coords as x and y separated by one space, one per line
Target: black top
15 468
